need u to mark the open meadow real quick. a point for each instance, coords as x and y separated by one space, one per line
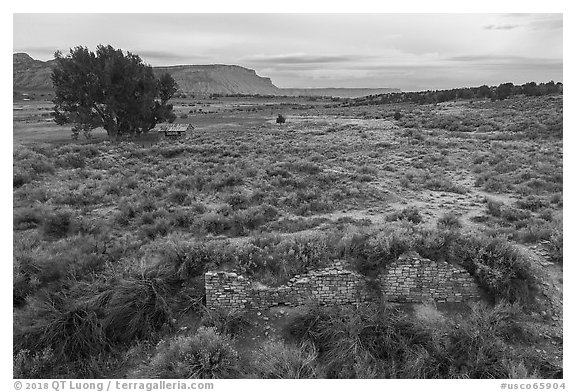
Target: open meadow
112 238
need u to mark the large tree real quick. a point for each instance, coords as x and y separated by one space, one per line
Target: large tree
109 89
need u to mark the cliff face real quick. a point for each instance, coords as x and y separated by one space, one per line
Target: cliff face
30 74
34 75
219 79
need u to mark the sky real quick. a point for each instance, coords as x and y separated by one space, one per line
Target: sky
407 51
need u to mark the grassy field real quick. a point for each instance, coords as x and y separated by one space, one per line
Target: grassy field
111 239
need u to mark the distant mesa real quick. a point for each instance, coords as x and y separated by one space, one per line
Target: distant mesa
219 79
343 92
34 75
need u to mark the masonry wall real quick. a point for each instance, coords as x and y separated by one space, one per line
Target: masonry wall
334 285
415 279
410 279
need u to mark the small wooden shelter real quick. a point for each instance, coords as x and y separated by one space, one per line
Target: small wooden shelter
173 131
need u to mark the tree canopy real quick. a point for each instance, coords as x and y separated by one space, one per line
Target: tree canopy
109 89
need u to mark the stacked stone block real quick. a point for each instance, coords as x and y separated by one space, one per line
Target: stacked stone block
415 279
334 285
226 290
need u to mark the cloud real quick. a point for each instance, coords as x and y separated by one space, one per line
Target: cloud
165 57
547 24
501 60
41 52
501 27
299 58
538 21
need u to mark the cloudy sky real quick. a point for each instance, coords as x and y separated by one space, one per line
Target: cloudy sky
407 51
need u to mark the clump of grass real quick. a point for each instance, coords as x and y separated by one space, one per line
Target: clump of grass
70 330
445 185
411 214
176 258
237 200
378 341
126 213
303 166
27 218
71 160
206 354
133 309
498 267
83 327
19 178
226 322
179 197
556 246
480 344
532 203
158 228
279 360
58 224
449 221
372 334
39 365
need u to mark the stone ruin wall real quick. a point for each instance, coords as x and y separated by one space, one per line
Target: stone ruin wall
409 279
414 279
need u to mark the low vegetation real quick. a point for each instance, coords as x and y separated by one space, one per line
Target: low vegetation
111 240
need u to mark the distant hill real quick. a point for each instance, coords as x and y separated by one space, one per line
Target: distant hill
29 74
338 92
34 75
219 79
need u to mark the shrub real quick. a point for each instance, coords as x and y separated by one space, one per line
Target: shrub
177 257
172 151
449 221
494 207
221 181
126 213
71 160
226 322
556 246
19 178
439 184
57 225
159 228
498 267
179 197
346 337
280 119
214 223
479 345
27 218
25 365
532 203
133 309
182 217
512 214
381 342
280 360
206 354
411 214
237 200
70 330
